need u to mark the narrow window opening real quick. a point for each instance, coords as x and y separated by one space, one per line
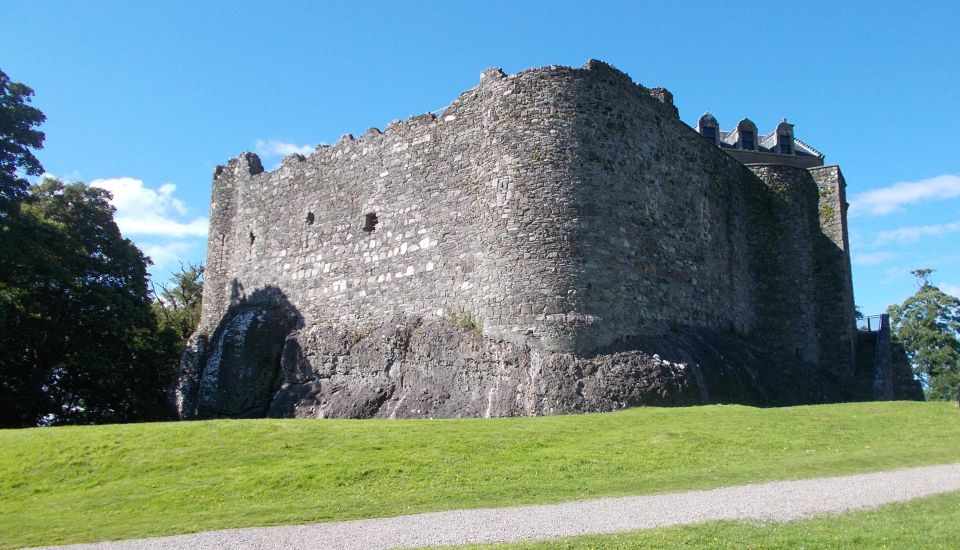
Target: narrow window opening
310 218
746 140
370 222
252 238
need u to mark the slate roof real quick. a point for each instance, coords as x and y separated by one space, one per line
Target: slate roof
802 149
767 144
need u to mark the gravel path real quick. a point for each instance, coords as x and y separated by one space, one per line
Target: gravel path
776 501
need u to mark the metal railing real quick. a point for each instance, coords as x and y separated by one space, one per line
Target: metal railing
872 321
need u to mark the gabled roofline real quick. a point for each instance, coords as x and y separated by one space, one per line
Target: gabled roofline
805 147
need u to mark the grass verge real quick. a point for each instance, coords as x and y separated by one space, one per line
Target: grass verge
926 523
76 484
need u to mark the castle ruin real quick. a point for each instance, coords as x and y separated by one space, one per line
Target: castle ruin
555 240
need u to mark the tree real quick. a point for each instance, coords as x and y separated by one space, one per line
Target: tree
78 340
923 276
177 307
18 134
927 324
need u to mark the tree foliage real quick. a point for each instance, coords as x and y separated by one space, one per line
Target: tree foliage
177 307
927 324
18 135
78 340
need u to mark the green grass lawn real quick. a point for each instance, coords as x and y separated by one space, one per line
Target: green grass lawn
75 484
926 523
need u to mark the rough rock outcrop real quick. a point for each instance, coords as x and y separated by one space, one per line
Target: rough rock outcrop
410 368
236 374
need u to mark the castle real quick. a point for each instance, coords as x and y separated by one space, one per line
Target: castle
555 240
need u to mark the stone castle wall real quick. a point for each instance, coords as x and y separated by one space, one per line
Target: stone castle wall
836 312
559 208
783 237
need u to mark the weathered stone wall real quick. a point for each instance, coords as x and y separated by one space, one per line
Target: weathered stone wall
661 233
455 233
558 210
784 237
222 242
836 315
563 206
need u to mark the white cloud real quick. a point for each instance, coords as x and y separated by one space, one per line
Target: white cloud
167 253
874 258
912 234
953 290
273 148
71 177
145 211
891 199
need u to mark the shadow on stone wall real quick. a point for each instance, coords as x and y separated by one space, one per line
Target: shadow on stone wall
235 371
726 368
836 319
418 368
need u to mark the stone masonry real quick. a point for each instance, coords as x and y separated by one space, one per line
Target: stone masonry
550 219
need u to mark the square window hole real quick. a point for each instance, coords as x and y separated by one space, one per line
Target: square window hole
370 222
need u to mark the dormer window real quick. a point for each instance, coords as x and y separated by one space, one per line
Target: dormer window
785 137
707 127
747 134
710 133
784 145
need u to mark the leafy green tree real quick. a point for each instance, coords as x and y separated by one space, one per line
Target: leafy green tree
927 324
18 135
177 307
78 340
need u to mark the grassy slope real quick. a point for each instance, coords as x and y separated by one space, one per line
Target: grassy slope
926 523
89 483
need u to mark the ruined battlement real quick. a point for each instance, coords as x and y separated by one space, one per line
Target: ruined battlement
559 209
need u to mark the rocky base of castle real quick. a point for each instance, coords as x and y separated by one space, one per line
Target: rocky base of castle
255 366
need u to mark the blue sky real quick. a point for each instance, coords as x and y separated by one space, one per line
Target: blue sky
147 98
